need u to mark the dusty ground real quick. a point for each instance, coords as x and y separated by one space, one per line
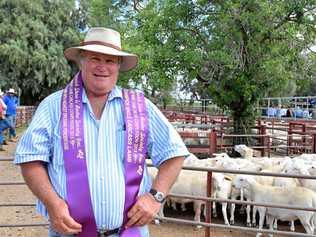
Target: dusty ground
14 215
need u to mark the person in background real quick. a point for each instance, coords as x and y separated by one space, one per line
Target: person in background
289 112
271 112
281 112
83 154
11 100
4 124
298 112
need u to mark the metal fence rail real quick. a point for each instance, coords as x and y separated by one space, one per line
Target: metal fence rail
238 228
22 225
208 199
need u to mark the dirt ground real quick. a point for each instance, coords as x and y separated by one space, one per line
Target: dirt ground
13 215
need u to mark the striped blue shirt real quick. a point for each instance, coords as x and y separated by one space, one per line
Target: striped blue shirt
104 141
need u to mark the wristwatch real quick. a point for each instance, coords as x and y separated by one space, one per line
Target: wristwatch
158 196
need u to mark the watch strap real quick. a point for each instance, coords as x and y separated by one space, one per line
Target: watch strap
158 196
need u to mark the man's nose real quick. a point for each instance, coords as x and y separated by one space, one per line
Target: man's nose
102 66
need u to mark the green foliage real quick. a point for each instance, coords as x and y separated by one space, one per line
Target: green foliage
101 13
306 75
235 52
33 36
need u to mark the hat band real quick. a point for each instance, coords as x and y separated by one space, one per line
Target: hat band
100 43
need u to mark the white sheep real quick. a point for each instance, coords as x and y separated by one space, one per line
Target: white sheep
300 196
298 167
245 151
222 186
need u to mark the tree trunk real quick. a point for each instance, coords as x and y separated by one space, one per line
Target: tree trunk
242 125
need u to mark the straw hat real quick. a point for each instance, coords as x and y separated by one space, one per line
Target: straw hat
12 91
105 41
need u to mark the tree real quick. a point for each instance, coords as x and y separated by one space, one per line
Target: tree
306 75
33 37
240 51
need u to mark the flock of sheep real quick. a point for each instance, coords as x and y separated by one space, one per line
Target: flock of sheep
299 192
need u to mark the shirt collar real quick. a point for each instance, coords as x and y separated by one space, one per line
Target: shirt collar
116 92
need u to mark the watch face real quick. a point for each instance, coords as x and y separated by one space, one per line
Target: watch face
160 196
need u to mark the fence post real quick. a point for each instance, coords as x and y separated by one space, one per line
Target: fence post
208 204
304 137
269 147
212 142
263 131
314 142
289 139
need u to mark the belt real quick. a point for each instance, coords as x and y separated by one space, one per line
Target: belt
104 233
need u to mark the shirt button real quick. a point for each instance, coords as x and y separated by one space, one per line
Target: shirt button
102 178
103 202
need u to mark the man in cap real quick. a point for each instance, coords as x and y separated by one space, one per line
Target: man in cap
83 154
11 101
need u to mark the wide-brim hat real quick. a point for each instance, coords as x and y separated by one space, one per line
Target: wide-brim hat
12 91
104 41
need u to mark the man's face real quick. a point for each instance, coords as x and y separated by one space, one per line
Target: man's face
99 72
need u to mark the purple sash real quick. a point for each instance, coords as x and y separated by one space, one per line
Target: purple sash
78 192
136 121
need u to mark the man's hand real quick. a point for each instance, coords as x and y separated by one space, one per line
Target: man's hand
61 220
143 211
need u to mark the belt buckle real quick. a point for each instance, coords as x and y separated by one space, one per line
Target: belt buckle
105 233
102 233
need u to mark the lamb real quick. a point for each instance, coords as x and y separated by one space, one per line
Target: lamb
236 164
188 183
195 183
299 168
302 197
222 186
244 151
289 183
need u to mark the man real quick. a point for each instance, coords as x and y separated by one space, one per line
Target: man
11 101
83 153
3 122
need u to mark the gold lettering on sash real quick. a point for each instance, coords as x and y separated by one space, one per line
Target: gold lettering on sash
78 141
77 112
129 155
65 126
80 154
142 135
71 118
77 130
140 170
129 132
136 141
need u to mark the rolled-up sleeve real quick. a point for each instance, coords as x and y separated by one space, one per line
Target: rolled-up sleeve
164 142
35 144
